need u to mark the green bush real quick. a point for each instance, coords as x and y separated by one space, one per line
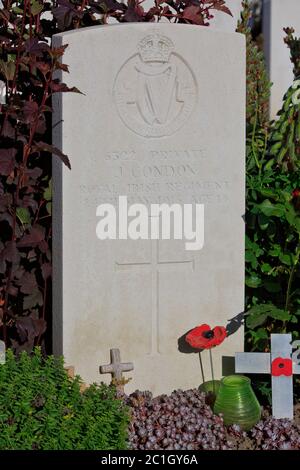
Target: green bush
272 255
42 408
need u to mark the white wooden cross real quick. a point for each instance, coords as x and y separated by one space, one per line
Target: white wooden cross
156 266
281 364
2 352
116 367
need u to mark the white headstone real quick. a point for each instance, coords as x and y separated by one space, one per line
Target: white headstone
174 134
2 352
279 14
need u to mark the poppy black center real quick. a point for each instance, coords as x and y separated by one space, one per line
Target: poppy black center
208 334
281 365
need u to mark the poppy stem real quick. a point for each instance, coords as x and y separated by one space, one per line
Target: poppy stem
201 367
212 372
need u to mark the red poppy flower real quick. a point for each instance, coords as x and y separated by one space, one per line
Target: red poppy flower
296 193
203 337
282 366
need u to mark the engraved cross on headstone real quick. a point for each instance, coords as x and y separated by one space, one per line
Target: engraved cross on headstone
2 352
279 363
156 266
116 367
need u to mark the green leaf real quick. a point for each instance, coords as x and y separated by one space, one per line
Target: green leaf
282 153
278 314
275 251
287 258
8 69
254 247
251 258
253 281
293 218
49 207
272 210
272 229
266 267
275 148
261 333
258 314
248 243
263 221
277 136
269 165
17 10
266 192
23 215
48 192
256 320
272 286
36 7
251 221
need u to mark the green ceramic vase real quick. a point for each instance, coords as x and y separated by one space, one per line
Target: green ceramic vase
237 402
211 390
210 387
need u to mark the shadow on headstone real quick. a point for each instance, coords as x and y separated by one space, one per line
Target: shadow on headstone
184 347
228 365
235 323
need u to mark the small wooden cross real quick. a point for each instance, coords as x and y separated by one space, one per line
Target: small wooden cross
116 368
2 352
280 364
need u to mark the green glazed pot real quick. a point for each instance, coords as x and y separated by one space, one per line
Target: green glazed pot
210 386
211 389
237 402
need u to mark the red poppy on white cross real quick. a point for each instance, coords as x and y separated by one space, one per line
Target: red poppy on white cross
281 363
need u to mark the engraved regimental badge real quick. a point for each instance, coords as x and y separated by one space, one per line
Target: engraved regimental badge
155 90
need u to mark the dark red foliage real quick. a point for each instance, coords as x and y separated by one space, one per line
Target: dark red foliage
27 67
74 14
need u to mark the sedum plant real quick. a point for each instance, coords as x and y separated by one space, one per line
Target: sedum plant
41 408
